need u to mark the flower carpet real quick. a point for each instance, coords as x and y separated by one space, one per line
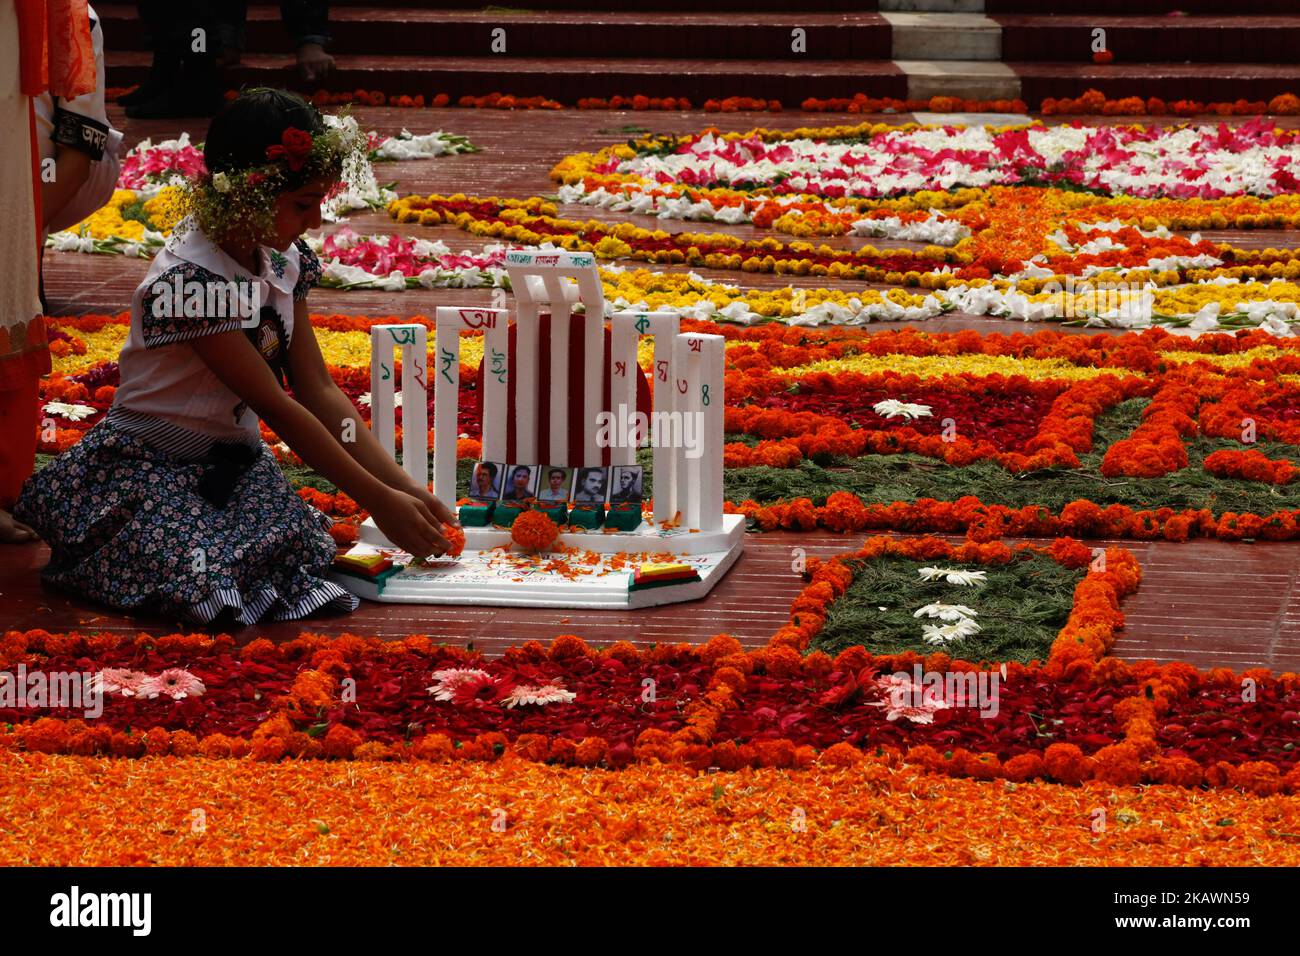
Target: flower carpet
1143 435
942 691
792 755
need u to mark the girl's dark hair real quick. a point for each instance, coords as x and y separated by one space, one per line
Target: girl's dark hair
240 134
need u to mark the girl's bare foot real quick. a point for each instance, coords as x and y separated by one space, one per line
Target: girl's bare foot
15 532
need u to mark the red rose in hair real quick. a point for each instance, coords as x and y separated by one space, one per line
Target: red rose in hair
294 148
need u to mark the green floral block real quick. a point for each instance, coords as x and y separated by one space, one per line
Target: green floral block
507 512
624 518
476 516
586 516
557 513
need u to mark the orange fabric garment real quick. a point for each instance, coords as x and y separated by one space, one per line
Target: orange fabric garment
56 52
19 422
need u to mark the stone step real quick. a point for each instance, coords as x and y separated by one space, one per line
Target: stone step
1135 8
1206 82
567 80
1091 7
966 79
1146 39
944 36
732 6
430 32
932 6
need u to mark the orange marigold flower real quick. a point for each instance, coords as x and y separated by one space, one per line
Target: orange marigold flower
1023 767
1118 764
568 646
46 735
782 661
534 531
340 742
343 533
590 752
1257 777
533 746
1177 771
1067 764
157 742
840 755
433 747
184 743
375 751
456 536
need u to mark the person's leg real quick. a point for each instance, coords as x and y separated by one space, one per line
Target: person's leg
19 419
156 18
193 37
231 17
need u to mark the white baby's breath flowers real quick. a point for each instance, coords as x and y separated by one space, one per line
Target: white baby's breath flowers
892 408
346 129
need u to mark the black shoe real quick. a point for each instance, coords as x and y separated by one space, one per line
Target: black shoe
162 76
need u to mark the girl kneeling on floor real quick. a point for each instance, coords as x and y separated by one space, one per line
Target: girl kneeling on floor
173 503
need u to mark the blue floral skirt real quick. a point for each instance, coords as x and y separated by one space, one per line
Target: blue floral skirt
135 526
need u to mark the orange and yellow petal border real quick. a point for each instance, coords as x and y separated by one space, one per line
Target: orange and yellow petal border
68 811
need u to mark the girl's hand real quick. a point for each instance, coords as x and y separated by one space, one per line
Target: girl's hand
410 524
440 511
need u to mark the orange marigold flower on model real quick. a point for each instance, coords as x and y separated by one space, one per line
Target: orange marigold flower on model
534 531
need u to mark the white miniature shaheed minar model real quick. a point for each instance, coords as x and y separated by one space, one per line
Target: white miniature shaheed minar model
685 431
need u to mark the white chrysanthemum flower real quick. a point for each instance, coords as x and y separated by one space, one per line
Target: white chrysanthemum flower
946 612
221 182
545 694
945 633
892 408
74 412
952 575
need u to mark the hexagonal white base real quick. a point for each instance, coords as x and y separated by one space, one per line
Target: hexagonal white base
480 576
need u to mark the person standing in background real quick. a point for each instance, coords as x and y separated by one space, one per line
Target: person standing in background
45 46
78 148
190 41
183 78
307 22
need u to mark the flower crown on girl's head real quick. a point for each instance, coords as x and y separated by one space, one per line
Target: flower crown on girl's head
243 200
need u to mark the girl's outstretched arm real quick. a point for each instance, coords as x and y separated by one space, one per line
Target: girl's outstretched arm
313 387
404 518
